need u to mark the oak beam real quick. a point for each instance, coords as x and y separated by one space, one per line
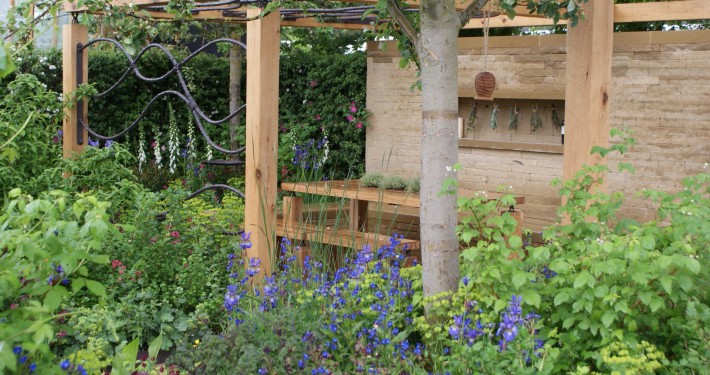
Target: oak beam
73 35
263 42
503 21
589 54
680 10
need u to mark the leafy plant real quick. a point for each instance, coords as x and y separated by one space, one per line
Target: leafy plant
30 117
47 244
601 279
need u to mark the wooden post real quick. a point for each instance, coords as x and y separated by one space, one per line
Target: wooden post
358 214
72 35
263 42
587 102
292 211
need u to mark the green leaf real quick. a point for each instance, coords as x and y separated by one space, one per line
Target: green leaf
656 303
155 346
519 278
646 297
53 299
83 271
582 279
44 333
667 283
608 318
693 265
77 284
531 297
96 288
8 358
685 282
7 66
648 242
600 291
515 242
561 298
500 304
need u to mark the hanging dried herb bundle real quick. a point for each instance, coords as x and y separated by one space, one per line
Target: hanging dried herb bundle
513 124
556 118
472 118
494 117
535 120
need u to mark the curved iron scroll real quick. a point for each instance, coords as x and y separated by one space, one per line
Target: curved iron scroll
185 96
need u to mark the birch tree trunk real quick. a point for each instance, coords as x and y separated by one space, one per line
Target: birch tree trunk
438 54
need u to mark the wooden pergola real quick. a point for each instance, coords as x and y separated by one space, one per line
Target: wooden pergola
589 57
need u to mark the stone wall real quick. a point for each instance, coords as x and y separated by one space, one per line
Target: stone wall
660 90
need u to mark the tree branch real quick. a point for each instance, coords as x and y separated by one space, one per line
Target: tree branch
396 13
473 7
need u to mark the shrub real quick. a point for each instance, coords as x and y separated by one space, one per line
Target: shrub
30 119
47 243
371 179
602 280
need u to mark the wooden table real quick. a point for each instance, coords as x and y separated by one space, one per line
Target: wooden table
360 197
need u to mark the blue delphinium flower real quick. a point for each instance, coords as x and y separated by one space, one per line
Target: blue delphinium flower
65 364
17 350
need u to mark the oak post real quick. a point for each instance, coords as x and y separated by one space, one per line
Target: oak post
75 71
587 102
263 42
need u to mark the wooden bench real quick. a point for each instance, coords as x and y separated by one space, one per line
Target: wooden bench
292 226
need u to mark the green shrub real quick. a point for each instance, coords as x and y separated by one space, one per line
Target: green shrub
371 179
600 279
413 185
30 119
393 183
47 245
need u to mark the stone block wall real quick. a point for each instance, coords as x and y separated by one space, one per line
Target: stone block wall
660 90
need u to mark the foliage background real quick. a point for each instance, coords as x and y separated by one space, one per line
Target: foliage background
317 89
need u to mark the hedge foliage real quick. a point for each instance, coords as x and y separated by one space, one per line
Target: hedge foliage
317 93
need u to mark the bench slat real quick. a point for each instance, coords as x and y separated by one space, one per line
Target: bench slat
338 237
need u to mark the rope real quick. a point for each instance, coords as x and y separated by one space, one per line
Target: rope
486 23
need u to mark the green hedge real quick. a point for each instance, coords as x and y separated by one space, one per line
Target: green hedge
316 92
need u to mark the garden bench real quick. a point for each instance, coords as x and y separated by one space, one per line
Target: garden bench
356 234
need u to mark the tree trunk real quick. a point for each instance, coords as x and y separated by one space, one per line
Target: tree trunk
236 57
438 54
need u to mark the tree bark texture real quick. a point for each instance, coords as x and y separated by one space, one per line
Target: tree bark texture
438 54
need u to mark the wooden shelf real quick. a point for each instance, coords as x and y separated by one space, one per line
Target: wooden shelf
512 146
508 94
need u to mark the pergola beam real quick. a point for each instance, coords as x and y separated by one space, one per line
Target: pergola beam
682 10
678 10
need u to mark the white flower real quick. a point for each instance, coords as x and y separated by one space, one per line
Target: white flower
52 67
705 166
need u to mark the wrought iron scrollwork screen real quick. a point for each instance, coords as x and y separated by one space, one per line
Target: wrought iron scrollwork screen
184 95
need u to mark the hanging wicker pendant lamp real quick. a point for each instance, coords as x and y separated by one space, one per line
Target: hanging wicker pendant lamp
485 83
